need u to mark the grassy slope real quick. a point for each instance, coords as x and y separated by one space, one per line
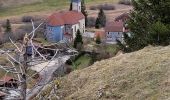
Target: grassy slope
46 5
141 75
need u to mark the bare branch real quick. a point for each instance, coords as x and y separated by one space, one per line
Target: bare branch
35 29
14 44
15 68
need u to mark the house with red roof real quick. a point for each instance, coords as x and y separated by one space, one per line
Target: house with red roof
64 25
123 17
114 30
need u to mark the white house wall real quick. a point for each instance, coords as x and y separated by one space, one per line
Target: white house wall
75 27
113 36
80 26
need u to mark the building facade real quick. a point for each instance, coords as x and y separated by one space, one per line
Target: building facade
64 25
114 31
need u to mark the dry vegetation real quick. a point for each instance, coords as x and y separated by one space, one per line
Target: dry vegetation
8 3
141 75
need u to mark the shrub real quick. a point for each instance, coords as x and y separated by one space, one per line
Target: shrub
104 7
93 7
27 19
125 2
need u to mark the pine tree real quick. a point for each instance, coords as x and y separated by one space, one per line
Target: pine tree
83 10
101 19
149 24
8 32
8 26
71 7
97 24
98 39
78 40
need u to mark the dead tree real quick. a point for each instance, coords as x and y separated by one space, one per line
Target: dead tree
23 59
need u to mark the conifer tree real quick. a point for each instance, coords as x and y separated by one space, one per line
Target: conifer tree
149 24
97 24
83 10
101 19
78 40
8 32
8 26
71 7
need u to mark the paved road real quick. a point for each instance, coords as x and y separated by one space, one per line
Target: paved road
46 74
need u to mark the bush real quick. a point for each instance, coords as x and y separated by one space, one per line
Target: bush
93 7
91 21
104 7
27 19
125 2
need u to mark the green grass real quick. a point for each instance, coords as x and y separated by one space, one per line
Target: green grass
112 49
82 62
46 5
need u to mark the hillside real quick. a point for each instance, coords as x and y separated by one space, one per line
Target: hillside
21 7
141 75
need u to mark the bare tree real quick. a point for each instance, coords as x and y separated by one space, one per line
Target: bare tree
21 63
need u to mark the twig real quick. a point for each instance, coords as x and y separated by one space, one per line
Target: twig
14 44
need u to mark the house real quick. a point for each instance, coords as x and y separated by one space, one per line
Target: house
9 82
123 17
114 31
64 25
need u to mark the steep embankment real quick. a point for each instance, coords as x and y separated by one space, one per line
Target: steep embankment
141 75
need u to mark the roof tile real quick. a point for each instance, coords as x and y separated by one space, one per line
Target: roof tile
62 18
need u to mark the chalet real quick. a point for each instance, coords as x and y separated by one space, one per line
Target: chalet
64 25
115 30
9 82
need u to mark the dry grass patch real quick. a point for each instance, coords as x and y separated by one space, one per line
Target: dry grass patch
141 75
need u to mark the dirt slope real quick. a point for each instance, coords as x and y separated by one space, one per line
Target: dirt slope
141 75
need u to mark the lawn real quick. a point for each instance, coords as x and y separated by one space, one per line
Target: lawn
105 51
112 49
46 5
82 62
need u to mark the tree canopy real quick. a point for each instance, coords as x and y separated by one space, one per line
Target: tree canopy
83 10
78 40
149 24
8 26
101 19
